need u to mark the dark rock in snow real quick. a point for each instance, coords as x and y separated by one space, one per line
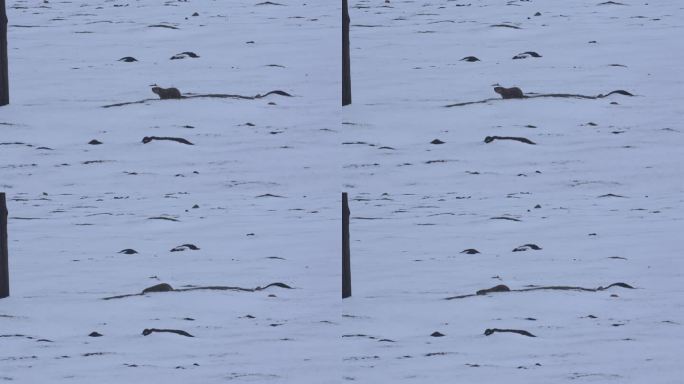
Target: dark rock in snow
163 287
470 251
527 247
470 59
128 251
525 55
436 141
437 334
184 55
498 288
95 334
94 142
128 59
185 247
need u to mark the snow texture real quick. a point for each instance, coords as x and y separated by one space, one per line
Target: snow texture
437 212
601 192
257 193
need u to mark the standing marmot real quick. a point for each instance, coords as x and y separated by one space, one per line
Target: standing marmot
509 93
167 93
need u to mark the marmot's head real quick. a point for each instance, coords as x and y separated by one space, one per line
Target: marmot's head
498 90
156 90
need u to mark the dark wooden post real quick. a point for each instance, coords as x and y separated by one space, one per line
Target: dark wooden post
4 265
4 65
346 70
346 254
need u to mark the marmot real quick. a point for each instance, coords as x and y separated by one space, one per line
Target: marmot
167 93
509 93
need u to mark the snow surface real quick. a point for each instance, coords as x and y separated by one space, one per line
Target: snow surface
607 179
416 206
70 216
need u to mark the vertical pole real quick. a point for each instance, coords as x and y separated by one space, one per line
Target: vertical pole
4 71
4 265
346 254
346 71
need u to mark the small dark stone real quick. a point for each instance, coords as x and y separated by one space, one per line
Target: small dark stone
195 206
183 55
195 14
498 288
538 14
128 251
470 251
537 206
527 247
525 55
437 334
436 141
94 142
489 139
128 59
163 287
185 247
95 334
470 59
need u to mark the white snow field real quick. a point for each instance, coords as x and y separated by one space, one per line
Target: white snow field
600 194
597 200
257 193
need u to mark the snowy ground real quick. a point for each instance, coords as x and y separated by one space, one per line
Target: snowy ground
265 187
600 193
